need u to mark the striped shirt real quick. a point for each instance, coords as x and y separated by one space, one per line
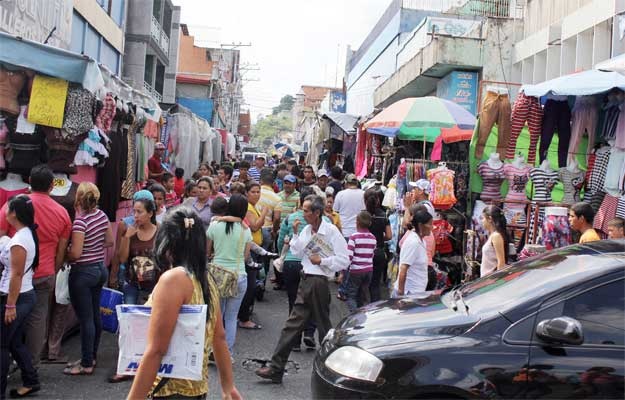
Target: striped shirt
360 246
254 173
544 181
93 226
288 204
492 178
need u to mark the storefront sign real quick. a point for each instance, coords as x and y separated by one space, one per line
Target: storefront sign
337 102
47 101
461 88
35 19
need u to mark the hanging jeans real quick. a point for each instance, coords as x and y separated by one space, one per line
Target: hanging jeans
496 109
557 116
526 109
583 119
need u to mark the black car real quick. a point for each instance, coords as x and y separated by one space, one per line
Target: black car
549 327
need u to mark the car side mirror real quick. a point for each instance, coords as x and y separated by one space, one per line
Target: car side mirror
561 330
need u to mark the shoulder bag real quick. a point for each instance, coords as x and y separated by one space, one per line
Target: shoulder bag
225 279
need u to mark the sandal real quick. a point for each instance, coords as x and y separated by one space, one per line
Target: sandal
15 394
120 378
76 363
253 327
78 370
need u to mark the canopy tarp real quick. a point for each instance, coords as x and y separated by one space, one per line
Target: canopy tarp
578 84
51 61
616 64
344 121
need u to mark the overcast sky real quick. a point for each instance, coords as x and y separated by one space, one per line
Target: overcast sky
294 42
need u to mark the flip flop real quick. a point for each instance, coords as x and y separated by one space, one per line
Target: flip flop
80 371
253 327
15 394
76 363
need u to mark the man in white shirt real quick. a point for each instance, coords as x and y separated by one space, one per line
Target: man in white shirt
313 295
348 203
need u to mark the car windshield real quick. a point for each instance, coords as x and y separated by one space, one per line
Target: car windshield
534 278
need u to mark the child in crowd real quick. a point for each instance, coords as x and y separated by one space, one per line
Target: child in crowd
179 182
159 193
171 198
616 228
361 245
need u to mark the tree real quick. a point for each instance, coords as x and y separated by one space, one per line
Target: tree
268 129
286 104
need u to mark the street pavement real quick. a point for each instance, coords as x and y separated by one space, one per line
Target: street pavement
250 344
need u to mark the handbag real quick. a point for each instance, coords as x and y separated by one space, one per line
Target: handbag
61 288
226 280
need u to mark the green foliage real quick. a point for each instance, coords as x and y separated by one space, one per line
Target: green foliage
268 129
286 104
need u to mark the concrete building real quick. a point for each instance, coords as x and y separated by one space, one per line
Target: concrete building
91 27
456 54
308 102
151 56
560 37
209 82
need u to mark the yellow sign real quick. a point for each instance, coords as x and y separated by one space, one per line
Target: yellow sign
47 101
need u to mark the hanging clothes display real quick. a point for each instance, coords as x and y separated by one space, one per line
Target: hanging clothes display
442 187
613 107
544 181
80 108
528 110
595 192
495 109
62 148
605 213
583 120
517 176
556 117
614 178
11 84
24 151
556 231
441 229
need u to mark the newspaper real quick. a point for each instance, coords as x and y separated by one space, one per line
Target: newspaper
318 245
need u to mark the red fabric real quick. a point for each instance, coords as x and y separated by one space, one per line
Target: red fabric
86 173
179 186
591 165
437 149
5 195
171 199
54 223
107 113
361 147
525 109
441 229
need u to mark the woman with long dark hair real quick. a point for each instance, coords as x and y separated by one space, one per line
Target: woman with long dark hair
19 257
413 259
229 243
181 261
495 250
91 233
381 229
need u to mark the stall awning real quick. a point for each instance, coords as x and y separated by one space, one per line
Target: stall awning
51 61
616 64
578 84
344 121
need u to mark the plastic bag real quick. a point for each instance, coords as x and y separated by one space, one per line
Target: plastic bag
61 289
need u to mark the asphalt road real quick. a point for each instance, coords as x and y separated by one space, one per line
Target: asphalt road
250 344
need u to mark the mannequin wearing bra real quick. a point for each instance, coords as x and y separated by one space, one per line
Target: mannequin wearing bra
64 193
492 173
11 84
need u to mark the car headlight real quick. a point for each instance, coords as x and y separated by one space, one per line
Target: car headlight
354 363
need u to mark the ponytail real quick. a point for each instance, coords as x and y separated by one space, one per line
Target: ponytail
499 222
24 211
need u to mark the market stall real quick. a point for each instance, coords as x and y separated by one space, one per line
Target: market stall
336 142
563 141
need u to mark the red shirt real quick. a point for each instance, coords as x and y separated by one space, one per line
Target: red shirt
155 166
179 186
54 223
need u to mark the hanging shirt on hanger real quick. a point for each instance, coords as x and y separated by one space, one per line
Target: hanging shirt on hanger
544 181
442 188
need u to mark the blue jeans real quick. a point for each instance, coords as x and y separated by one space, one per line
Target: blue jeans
12 341
230 309
85 288
133 294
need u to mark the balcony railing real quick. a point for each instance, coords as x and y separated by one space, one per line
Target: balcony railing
159 36
151 91
484 8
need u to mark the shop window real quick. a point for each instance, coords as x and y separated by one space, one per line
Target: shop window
78 33
117 11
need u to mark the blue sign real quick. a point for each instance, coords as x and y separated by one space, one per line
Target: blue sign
337 102
461 88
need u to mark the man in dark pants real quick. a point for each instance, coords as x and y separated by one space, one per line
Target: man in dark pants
313 296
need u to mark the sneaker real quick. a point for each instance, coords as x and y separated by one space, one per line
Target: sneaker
271 374
309 343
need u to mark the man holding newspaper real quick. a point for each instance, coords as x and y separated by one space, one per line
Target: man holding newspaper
323 251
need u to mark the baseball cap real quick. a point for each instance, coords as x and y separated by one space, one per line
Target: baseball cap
322 172
290 178
143 195
422 184
159 146
260 157
351 178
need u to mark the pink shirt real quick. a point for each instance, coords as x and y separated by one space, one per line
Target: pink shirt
54 224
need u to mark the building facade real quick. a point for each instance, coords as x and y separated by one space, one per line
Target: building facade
560 37
305 113
150 52
91 27
208 82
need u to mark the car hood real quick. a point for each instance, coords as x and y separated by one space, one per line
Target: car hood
402 320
